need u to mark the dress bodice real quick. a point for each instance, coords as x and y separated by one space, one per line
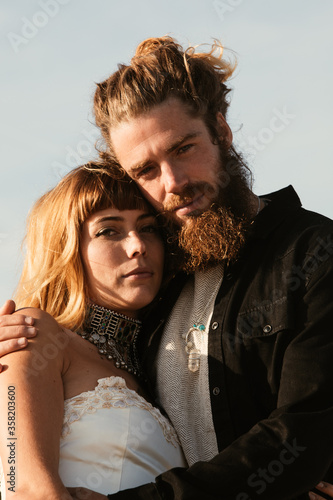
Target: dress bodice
113 439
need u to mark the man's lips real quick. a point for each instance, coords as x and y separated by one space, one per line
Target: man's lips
139 273
187 208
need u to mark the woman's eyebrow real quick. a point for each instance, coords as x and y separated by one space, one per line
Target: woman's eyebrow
109 218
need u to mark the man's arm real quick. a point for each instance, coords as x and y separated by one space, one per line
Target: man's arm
31 416
15 329
286 454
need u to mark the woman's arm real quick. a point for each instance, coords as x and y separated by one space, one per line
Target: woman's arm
31 414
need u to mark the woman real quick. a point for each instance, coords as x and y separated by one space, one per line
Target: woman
71 403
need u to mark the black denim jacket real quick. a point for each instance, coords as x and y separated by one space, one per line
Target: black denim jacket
270 365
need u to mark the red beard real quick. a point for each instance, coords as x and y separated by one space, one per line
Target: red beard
218 234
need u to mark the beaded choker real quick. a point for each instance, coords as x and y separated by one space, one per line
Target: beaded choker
114 335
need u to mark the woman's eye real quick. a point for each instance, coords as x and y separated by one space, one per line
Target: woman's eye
107 231
150 228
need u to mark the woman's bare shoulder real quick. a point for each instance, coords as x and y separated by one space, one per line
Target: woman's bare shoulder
51 340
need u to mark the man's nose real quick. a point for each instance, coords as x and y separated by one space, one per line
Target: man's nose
174 178
135 245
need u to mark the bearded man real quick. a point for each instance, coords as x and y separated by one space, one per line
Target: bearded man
239 348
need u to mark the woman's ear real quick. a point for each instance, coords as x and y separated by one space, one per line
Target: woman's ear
224 130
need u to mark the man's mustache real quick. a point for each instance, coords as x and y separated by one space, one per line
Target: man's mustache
189 193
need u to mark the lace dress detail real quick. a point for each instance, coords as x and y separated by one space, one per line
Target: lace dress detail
112 392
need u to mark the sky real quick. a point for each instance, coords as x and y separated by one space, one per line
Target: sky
53 53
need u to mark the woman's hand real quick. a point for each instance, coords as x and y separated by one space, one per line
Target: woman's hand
14 329
85 494
325 488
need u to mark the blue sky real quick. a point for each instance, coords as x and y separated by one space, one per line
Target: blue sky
53 52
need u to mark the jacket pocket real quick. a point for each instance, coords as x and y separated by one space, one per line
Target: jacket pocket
265 320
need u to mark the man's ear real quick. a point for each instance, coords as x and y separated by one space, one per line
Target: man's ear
224 130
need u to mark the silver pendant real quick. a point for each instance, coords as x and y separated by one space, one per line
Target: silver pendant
194 360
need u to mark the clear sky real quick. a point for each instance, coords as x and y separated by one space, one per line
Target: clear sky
53 52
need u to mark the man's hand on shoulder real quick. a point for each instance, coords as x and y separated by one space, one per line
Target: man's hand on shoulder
15 329
85 494
323 487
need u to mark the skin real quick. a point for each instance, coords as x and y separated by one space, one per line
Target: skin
323 487
50 369
166 150
124 259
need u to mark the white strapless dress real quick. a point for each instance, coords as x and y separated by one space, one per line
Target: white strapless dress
113 439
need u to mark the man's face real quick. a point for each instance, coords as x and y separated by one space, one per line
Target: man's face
171 156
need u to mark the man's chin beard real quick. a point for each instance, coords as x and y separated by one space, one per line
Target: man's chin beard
215 236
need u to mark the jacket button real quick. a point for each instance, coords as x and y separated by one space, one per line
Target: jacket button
267 329
216 391
215 325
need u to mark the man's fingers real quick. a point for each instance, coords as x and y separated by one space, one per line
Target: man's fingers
7 308
325 488
17 325
9 346
16 331
16 319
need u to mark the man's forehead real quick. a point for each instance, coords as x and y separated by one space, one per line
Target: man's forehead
136 140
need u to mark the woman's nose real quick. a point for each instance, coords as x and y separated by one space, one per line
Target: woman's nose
135 245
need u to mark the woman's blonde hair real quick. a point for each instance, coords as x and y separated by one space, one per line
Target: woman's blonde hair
53 277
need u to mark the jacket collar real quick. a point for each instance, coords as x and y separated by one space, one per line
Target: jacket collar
281 204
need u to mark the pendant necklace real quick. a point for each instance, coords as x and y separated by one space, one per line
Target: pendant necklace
115 335
194 353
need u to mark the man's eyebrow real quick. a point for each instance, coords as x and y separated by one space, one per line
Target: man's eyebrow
181 140
140 166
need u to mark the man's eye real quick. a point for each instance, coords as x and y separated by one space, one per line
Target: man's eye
185 148
145 171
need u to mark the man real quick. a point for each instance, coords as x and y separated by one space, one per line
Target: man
239 349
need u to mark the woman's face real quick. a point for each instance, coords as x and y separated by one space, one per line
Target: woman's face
123 258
